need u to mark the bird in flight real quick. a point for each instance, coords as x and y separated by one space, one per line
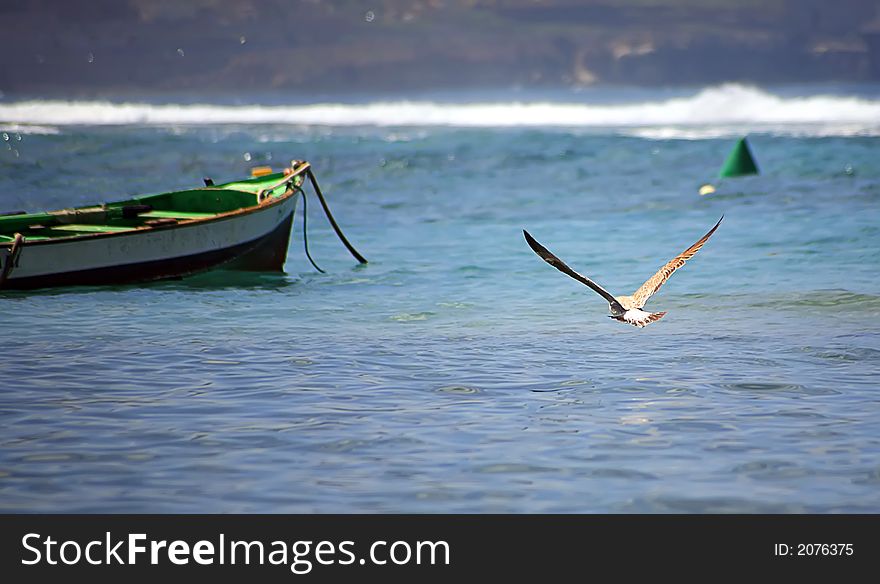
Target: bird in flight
626 308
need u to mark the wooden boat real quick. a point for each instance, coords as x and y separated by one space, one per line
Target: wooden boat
242 225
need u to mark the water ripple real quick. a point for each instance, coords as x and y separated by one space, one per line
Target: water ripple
456 372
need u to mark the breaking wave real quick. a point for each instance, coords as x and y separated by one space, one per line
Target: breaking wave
712 112
25 129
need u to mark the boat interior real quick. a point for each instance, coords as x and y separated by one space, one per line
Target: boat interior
145 211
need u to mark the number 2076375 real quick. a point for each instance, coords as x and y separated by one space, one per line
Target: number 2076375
813 549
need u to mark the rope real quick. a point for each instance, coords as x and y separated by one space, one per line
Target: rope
12 258
333 224
305 232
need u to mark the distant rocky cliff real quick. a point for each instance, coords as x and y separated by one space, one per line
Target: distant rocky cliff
55 47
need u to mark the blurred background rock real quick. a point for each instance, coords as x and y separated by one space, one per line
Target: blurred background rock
155 46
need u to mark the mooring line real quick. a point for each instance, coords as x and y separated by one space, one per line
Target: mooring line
329 215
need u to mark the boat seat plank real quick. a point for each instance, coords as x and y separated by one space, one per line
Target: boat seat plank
175 215
84 228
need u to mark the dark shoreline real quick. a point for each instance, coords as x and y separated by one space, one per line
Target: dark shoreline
129 47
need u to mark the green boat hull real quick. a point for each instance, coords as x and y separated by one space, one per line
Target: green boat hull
243 225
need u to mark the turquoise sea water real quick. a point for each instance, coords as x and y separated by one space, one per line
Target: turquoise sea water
456 372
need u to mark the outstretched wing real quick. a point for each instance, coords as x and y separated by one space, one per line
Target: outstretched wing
557 263
653 284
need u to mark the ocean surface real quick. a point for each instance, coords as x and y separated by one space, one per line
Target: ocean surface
457 372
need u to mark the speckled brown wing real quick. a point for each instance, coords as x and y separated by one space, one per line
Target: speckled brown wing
640 296
557 263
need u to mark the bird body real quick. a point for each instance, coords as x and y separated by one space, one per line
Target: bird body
626 308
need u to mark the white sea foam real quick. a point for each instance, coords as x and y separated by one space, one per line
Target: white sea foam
716 111
800 130
28 129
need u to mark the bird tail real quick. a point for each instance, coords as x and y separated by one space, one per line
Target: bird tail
652 317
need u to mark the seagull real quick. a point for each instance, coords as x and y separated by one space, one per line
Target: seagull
627 308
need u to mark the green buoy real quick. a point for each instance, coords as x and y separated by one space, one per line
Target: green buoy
739 162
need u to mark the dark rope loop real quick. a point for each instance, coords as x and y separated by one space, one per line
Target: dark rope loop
332 221
305 231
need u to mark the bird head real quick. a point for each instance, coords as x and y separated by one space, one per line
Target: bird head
615 312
